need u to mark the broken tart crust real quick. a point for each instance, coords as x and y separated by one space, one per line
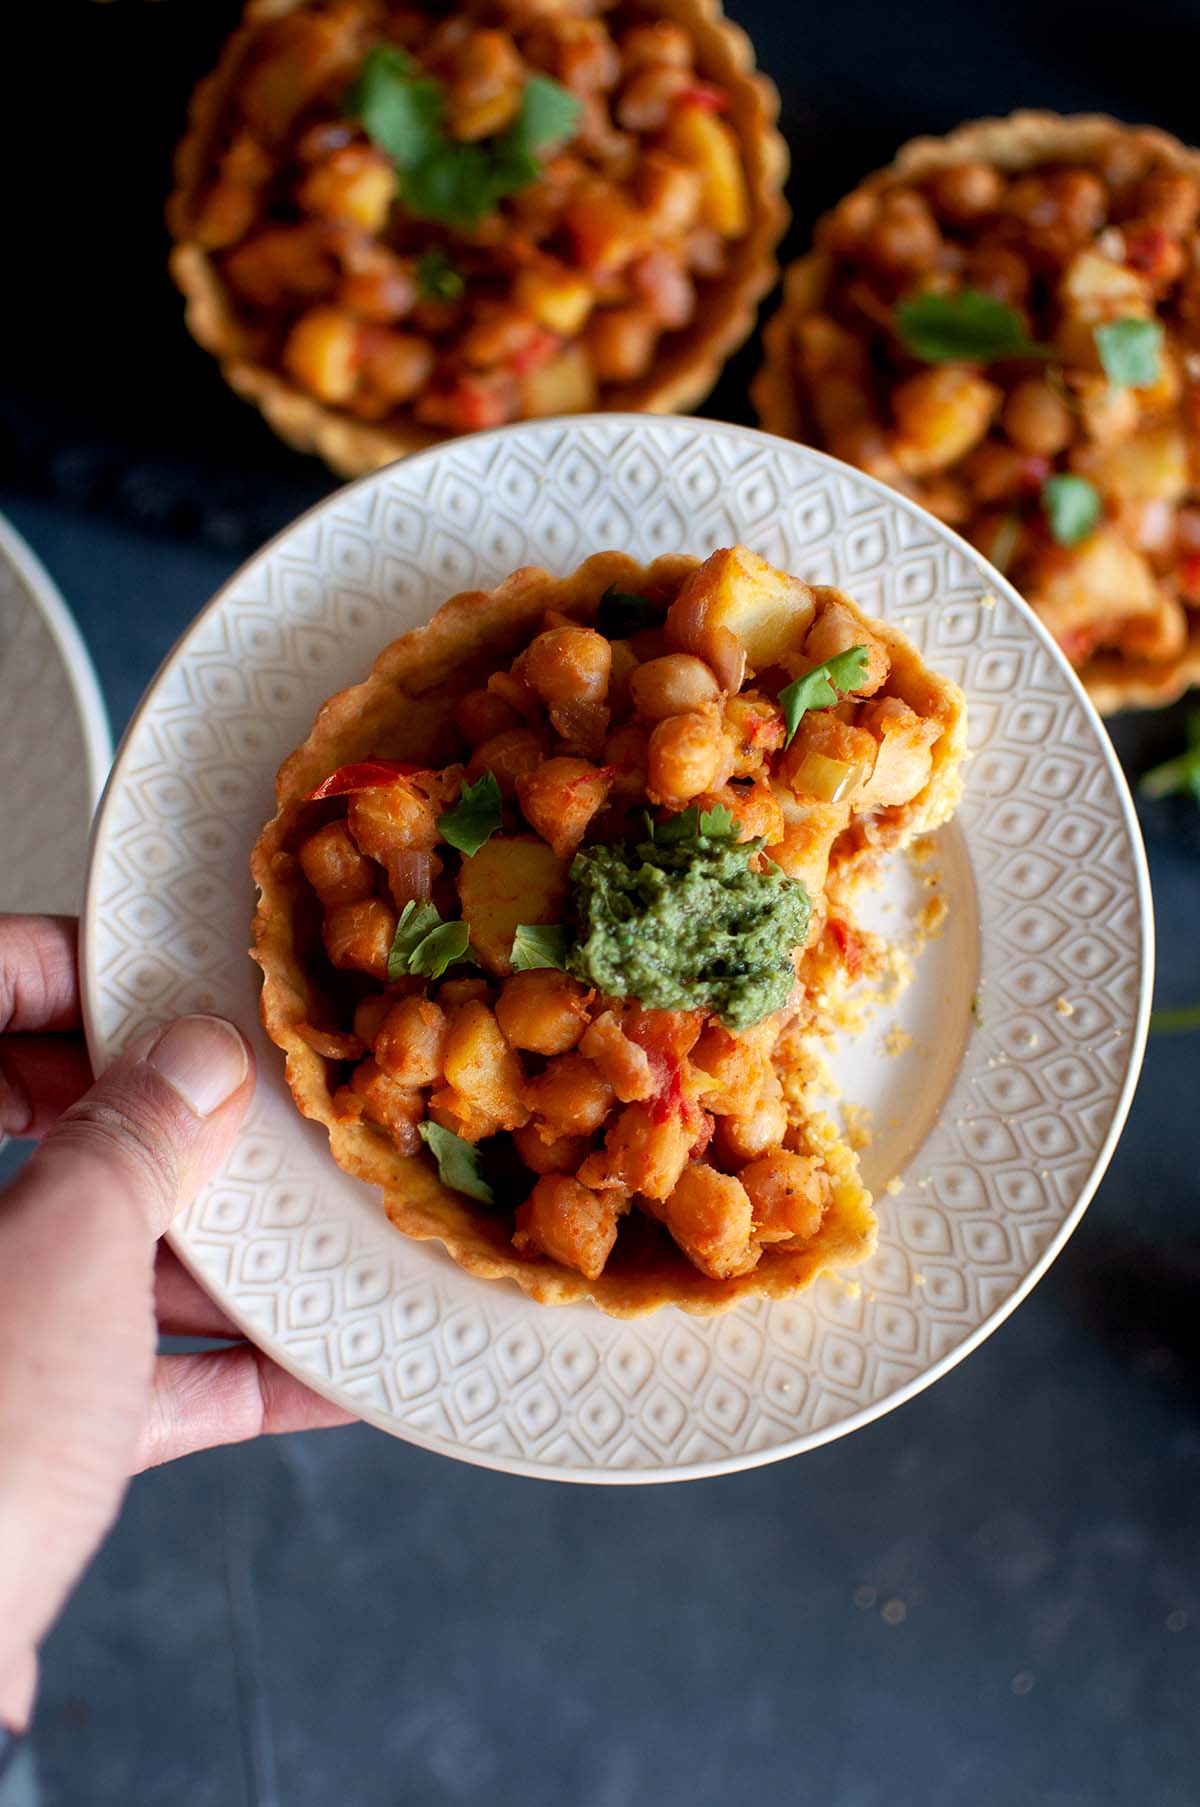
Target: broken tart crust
404 711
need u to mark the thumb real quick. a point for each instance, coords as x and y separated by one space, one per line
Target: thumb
78 1228
156 1124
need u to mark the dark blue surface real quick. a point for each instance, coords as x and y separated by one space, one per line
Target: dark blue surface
989 1597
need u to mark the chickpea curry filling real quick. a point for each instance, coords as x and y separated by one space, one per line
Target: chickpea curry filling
568 966
469 218
1017 349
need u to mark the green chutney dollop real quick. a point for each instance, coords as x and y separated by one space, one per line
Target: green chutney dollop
682 922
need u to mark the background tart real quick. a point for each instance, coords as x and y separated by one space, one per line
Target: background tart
406 711
675 327
1140 453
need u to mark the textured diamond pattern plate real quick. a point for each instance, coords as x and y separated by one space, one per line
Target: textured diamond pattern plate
303 1257
55 747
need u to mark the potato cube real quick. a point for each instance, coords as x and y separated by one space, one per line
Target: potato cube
567 385
704 142
511 880
736 593
1150 467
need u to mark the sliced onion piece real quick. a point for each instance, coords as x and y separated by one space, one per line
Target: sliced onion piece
411 876
828 780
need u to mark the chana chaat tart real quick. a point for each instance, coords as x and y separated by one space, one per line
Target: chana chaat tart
396 222
548 904
1005 324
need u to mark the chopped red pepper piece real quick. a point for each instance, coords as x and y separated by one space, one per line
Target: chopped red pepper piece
365 776
703 94
1189 578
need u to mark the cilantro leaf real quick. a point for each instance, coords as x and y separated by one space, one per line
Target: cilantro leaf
1179 774
821 687
1071 506
441 948
676 828
539 944
624 612
719 823
972 326
475 817
416 921
400 109
458 1162
423 943
548 113
437 278
1131 352
451 184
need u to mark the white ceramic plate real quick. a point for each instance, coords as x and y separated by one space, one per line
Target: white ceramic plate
1002 1132
55 746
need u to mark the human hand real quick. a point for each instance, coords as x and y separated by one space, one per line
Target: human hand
85 1286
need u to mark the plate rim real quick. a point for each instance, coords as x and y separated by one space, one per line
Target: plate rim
76 660
997 582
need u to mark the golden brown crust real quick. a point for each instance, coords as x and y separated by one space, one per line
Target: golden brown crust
690 362
1018 142
403 710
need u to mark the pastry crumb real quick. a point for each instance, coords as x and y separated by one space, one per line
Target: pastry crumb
894 1186
852 1289
918 1279
859 1125
897 1040
1064 1007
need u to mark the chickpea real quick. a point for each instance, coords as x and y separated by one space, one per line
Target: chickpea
835 630
1037 419
672 685
683 758
393 1107
395 365
568 665
965 191
542 1011
564 1220
788 1192
763 1126
570 1098
645 45
392 818
485 86
410 1043
844 229
620 343
359 936
869 446
584 57
559 799
625 754
839 402
369 1014
1170 199
496 340
998 271
562 1155
509 756
709 1216
334 867
668 193
481 715
905 237
227 213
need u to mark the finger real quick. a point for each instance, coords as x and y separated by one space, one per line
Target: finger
77 1332
39 987
41 1076
182 1306
228 1396
156 1125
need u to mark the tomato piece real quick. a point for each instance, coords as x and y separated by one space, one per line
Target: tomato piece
537 351
1189 578
704 96
367 775
849 944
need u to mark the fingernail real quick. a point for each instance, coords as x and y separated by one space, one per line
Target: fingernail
203 1058
16 1112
